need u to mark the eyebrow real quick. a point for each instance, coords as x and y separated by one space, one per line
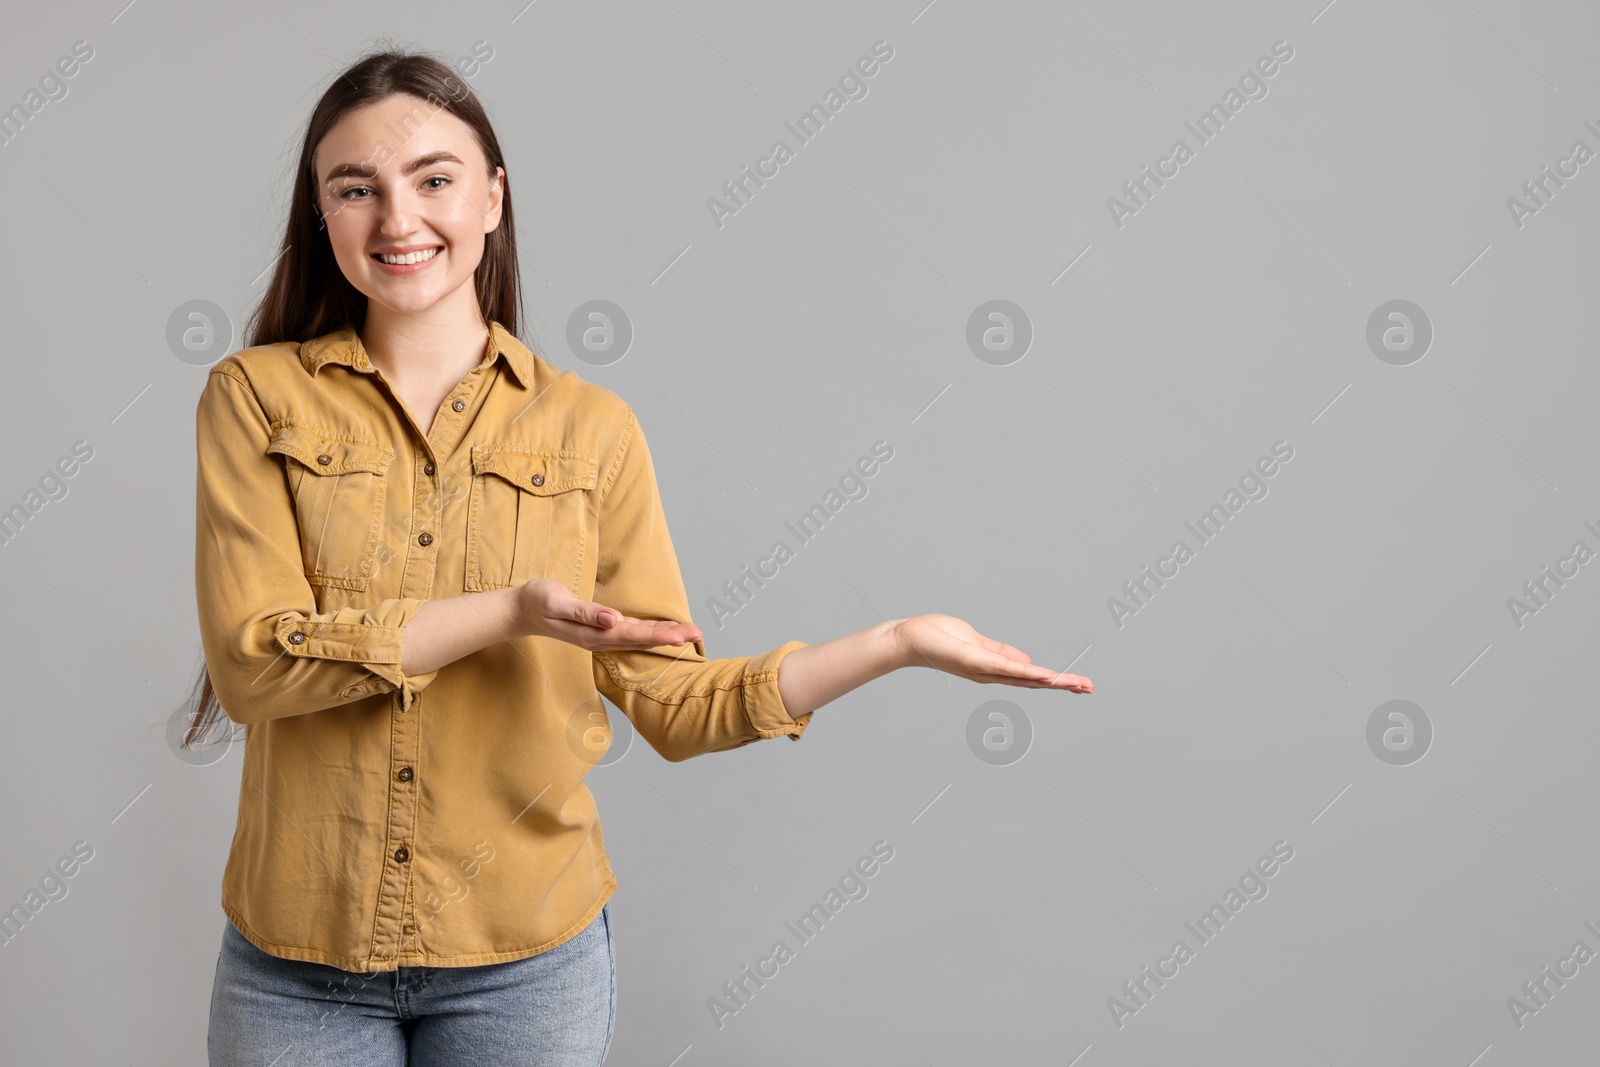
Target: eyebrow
359 170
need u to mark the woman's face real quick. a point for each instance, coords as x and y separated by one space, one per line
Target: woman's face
405 178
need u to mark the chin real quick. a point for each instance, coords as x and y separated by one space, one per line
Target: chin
412 305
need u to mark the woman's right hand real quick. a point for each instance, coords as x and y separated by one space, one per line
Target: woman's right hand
547 608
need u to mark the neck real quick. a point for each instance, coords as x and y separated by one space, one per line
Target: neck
443 342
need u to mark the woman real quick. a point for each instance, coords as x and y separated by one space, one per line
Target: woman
421 554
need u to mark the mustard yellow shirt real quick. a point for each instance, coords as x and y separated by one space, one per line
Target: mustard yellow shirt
438 819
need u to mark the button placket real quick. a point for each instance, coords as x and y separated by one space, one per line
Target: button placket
427 515
395 905
396 926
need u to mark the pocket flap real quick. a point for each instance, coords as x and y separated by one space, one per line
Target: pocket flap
540 471
322 453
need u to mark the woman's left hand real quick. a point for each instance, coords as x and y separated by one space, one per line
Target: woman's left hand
948 644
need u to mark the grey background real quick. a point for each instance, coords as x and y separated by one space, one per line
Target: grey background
1228 314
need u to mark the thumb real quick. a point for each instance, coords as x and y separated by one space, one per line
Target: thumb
602 616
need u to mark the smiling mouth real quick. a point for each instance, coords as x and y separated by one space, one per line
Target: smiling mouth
406 259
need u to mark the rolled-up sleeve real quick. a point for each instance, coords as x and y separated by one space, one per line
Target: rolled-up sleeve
269 653
682 703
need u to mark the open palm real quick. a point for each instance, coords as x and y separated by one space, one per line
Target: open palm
948 644
547 608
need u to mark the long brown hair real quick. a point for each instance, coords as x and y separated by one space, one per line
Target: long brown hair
310 296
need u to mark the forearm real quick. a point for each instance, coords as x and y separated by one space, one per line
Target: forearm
819 674
443 631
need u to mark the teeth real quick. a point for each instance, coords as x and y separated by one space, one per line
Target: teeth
409 257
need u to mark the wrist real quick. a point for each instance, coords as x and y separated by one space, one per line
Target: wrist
897 651
507 609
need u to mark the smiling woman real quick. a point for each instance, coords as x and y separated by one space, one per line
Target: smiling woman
347 590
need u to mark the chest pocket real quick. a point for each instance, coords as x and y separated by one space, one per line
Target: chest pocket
338 488
527 515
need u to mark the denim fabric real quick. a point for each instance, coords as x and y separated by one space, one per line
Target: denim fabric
555 1009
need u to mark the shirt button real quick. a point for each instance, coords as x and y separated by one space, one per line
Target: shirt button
538 479
324 460
459 405
401 854
404 774
297 638
425 539
427 468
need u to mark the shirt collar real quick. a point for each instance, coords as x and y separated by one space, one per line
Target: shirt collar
344 346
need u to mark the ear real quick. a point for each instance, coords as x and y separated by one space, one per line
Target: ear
497 192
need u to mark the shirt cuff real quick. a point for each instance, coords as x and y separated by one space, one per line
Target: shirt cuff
762 704
370 637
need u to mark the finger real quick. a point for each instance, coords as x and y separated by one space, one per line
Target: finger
645 622
641 642
1032 672
607 618
685 630
649 632
1063 680
589 620
1009 679
590 613
627 635
1033 683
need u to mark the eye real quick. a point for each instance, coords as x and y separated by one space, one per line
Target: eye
345 194
437 178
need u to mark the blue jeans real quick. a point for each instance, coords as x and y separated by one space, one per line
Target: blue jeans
555 1009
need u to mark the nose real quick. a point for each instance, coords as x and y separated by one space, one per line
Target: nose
398 217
